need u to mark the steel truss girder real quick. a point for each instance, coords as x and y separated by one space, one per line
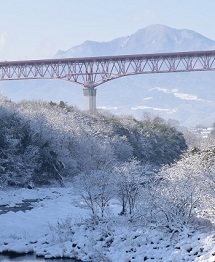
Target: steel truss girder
93 71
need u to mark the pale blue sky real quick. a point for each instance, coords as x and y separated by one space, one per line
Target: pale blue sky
36 29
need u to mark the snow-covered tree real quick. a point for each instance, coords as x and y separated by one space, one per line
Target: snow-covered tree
128 181
53 141
186 189
96 189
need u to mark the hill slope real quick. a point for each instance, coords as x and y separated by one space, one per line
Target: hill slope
40 142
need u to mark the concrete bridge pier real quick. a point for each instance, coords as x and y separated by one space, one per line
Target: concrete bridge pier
90 99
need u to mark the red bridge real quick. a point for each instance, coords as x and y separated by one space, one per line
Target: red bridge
93 71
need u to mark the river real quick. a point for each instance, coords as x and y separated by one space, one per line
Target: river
31 257
24 206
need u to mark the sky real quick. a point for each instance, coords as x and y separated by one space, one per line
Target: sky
36 29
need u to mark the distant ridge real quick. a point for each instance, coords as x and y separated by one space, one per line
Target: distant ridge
152 39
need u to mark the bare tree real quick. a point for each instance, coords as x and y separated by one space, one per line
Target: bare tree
128 185
96 190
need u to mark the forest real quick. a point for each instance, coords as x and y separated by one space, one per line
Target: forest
42 142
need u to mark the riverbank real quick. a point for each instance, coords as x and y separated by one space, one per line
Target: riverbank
58 226
33 258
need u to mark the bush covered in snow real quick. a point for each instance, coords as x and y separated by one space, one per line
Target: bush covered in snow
25 157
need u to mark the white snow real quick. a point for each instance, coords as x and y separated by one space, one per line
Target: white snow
183 96
164 90
148 98
166 110
107 107
124 43
58 227
187 96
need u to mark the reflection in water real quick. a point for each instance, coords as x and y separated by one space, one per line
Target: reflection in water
29 258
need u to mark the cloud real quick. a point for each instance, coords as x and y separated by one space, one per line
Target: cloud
3 40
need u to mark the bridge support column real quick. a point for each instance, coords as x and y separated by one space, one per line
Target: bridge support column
90 99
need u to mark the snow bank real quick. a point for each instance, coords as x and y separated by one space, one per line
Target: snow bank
57 227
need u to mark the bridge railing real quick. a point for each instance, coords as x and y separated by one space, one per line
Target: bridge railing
93 71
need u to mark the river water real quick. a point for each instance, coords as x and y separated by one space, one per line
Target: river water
24 206
32 258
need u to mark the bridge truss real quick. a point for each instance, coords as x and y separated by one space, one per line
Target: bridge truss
93 71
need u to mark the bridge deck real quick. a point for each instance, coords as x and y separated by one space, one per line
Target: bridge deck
113 58
93 71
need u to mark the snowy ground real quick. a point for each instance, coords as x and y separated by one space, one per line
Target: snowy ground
57 227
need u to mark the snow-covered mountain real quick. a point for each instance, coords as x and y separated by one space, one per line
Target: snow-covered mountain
186 97
152 39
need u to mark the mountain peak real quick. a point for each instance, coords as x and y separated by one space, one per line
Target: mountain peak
155 38
157 28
